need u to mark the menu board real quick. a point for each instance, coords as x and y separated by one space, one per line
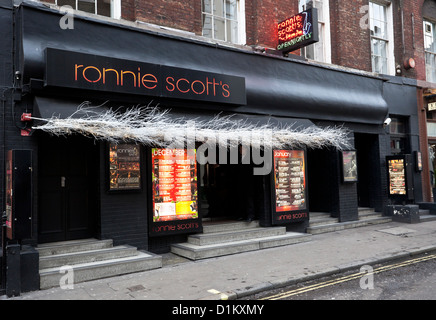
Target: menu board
124 167
290 180
174 179
397 177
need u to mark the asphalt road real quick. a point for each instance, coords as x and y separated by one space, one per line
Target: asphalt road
408 279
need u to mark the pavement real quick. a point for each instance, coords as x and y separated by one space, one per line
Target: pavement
240 275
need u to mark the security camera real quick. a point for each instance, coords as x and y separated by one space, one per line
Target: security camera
387 122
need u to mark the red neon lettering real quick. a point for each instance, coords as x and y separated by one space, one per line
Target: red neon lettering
177 85
112 70
201 83
128 72
91 67
76 66
149 78
226 89
172 85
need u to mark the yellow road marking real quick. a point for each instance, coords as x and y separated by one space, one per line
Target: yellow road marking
346 278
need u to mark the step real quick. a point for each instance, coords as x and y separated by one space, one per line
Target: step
235 235
62 247
71 258
142 261
370 215
322 221
347 225
223 226
196 252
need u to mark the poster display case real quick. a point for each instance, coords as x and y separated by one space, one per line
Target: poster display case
349 166
400 174
290 195
175 193
124 167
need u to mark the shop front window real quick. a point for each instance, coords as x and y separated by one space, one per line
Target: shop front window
107 8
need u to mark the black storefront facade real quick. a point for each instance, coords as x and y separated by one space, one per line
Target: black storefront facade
50 71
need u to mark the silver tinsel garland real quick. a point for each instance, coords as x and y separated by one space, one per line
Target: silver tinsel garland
153 127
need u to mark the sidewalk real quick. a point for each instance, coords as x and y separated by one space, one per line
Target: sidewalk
235 276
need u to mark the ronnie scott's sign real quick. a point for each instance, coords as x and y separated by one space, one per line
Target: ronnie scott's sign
298 31
91 72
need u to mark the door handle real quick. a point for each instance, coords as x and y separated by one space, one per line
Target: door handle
63 179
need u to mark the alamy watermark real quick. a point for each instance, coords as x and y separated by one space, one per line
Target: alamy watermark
367 281
67 20
66 282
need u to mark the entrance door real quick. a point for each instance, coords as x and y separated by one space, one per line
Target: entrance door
67 188
320 178
367 168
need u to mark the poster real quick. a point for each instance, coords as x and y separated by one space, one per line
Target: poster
289 180
124 167
397 177
349 166
174 178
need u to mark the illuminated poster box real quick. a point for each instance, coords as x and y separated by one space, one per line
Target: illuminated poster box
400 177
298 31
290 190
124 167
175 195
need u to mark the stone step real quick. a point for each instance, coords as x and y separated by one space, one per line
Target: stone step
63 247
90 259
369 215
347 225
71 258
196 252
142 261
320 220
235 235
223 226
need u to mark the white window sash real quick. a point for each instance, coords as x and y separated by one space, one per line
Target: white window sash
239 20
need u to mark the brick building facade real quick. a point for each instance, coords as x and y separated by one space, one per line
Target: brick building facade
355 77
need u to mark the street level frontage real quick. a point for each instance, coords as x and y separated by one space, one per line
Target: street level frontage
239 276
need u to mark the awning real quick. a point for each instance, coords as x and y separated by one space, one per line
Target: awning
168 128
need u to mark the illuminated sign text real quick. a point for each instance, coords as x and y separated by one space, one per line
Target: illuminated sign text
91 72
298 31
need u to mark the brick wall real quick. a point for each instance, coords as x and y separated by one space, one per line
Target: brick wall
350 35
184 15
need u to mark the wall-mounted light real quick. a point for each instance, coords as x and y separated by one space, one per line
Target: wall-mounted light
409 63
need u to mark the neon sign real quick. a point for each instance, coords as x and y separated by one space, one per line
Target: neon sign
298 31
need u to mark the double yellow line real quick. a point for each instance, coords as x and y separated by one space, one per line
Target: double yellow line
347 278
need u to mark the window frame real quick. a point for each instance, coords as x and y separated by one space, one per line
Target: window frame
427 52
115 8
324 33
240 21
389 39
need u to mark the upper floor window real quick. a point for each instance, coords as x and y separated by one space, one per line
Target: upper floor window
108 8
382 48
224 20
430 50
320 51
